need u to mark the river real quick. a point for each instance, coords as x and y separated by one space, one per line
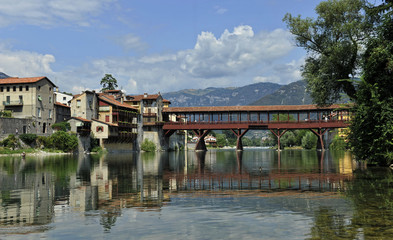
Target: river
218 194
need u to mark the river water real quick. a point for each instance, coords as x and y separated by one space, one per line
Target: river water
223 194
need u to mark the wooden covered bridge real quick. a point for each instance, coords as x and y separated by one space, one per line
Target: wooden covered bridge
239 119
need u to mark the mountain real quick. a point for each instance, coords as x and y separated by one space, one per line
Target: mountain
292 94
232 96
3 75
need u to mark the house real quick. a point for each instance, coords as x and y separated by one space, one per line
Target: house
85 105
62 112
29 98
63 98
112 113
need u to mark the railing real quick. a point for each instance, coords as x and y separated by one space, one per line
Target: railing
149 114
255 122
13 103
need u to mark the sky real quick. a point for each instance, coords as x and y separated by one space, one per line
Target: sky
151 46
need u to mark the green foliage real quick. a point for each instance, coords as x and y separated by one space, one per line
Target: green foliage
6 113
11 142
63 141
309 141
108 82
63 126
221 140
372 128
338 143
148 146
60 140
28 138
334 44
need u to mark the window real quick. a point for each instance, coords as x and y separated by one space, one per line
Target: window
64 98
8 99
39 88
50 89
50 99
39 112
8 89
20 99
50 113
14 88
78 103
106 118
27 88
1 89
20 88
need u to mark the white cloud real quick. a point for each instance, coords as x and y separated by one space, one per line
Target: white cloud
50 12
131 42
234 52
220 10
233 59
24 63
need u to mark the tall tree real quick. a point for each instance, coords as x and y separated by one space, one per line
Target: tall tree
333 42
108 82
372 128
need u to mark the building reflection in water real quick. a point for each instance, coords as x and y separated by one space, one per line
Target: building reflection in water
146 181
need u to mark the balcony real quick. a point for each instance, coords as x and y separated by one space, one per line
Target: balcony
149 114
13 103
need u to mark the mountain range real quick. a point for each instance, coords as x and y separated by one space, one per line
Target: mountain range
254 94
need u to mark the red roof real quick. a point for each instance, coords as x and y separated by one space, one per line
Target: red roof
251 108
82 119
111 100
138 98
62 105
107 123
16 80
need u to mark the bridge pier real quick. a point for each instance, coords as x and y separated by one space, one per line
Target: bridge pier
319 133
201 134
278 135
239 135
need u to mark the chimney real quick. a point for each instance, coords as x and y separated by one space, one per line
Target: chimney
145 95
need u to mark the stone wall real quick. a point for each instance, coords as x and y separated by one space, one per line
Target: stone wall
16 126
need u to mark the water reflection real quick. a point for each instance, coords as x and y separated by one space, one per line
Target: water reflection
36 190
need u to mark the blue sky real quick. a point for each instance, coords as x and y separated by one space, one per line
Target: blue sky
150 45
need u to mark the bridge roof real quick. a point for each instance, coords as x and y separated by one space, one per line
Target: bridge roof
273 108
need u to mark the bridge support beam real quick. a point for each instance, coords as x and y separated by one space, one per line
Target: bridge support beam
319 133
201 134
278 134
239 134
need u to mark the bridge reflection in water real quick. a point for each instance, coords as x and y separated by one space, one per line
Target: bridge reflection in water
150 180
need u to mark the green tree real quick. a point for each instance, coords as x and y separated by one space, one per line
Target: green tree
148 146
309 141
372 127
108 82
334 43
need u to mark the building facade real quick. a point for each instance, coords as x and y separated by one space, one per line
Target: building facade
29 98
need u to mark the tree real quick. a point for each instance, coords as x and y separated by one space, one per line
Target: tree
372 127
333 43
108 82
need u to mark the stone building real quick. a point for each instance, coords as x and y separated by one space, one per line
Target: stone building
29 98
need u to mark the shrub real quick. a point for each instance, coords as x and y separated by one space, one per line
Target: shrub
11 142
62 126
28 138
338 143
148 146
309 141
63 141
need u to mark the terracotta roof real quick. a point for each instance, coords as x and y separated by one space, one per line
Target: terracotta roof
107 123
166 101
140 97
16 80
112 91
111 100
250 108
81 119
61 104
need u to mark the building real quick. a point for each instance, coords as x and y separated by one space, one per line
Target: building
117 122
29 98
85 105
63 98
62 112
